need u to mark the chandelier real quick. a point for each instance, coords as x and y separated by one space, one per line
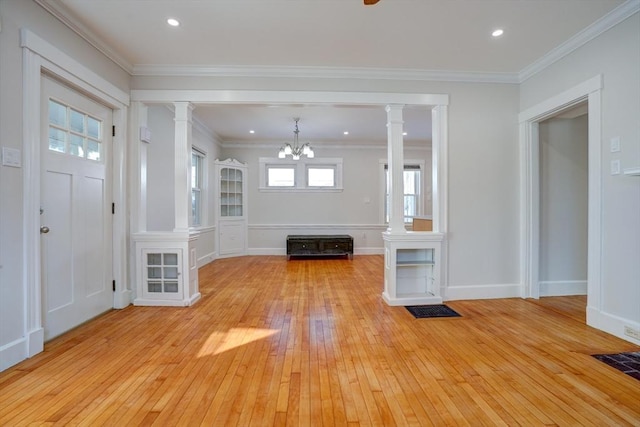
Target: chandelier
295 150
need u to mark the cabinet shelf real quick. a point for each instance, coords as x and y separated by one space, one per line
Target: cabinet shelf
414 263
412 269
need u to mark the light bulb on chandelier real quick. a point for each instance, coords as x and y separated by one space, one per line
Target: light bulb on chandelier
295 150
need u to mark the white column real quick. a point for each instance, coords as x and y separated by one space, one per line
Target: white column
138 168
182 165
395 160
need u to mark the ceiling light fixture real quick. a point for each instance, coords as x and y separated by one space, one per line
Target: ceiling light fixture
346 132
498 32
295 150
173 22
252 131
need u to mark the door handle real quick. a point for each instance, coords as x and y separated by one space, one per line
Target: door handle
44 229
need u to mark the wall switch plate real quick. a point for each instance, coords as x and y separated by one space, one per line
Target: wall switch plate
145 134
615 144
11 157
615 167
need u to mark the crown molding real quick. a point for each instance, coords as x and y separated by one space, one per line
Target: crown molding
322 73
622 12
617 15
352 145
62 13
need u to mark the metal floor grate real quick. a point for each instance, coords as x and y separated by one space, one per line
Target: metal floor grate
427 311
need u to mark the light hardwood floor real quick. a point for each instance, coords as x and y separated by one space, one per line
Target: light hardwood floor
310 343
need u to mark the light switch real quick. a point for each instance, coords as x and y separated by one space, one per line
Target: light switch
615 144
615 167
11 157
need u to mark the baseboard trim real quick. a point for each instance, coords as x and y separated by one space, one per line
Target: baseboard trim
508 290
35 342
145 302
13 353
122 299
563 288
206 259
611 324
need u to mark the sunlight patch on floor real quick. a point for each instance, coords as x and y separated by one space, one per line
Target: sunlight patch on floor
219 342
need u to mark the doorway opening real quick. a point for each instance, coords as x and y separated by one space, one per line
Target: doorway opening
589 93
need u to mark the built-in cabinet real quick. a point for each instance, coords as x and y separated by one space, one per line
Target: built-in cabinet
231 208
167 271
412 268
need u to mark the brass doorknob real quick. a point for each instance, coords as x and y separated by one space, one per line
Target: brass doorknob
44 229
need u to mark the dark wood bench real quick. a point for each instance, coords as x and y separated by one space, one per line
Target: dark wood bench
319 245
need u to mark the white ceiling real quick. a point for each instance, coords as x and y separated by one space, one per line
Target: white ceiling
448 36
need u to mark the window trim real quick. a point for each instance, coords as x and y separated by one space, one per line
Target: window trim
202 189
300 174
383 187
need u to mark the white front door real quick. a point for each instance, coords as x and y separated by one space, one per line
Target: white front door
76 220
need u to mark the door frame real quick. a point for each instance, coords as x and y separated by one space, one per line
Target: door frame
39 56
529 120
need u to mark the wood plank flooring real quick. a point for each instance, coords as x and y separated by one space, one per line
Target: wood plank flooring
311 343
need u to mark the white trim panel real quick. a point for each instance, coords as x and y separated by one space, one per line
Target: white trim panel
562 288
611 324
260 71
510 290
285 97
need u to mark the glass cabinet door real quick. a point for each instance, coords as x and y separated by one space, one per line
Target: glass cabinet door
231 192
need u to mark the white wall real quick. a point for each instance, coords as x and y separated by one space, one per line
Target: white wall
357 210
17 14
563 206
160 169
616 55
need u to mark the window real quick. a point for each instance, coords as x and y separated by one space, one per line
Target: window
197 179
412 182
74 132
321 176
304 175
284 176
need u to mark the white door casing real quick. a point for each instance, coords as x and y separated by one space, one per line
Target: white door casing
76 250
38 56
589 90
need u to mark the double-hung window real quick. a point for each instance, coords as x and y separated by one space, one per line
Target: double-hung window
197 181
412 198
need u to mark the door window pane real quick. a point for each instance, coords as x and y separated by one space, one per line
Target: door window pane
57 114
76 122
93 150
74 132
76 145
57 140
93 128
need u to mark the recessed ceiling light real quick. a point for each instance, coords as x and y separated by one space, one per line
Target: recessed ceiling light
252 131
404 133
173 22
498 32
346 132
